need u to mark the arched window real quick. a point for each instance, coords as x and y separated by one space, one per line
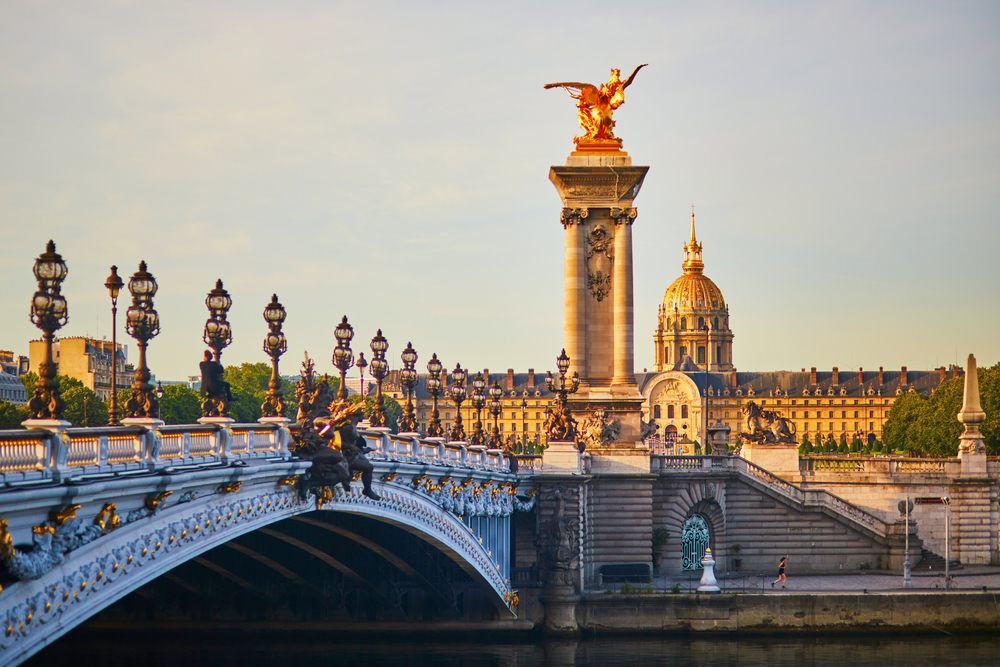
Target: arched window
701 354
656 412
447 415
701 323
695 538
684 351
715 323
684 412
684 323
668 322
670 411
666 354
718 354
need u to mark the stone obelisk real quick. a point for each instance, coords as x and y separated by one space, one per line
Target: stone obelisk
598 186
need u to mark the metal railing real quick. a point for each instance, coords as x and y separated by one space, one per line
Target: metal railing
55 453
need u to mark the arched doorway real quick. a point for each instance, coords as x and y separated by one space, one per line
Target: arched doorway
695 538
670 437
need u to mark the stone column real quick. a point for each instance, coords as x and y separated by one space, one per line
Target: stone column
624 373
575 291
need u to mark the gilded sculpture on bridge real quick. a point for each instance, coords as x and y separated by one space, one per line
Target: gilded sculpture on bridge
328 436
766 426
596 104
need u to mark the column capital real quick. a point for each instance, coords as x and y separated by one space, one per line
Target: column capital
573 216
624 216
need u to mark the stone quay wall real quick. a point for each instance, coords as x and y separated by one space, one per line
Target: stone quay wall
765 614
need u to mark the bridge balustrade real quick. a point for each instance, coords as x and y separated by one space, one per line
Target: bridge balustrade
879 465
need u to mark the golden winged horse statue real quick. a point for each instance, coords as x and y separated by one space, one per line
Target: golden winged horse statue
595 105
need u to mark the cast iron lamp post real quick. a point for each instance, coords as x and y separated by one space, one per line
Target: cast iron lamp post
478 403
362 364
48 313
342 355
218 335
114 284
408 377
495 408
275 345
159 400
434 369
457 393
380 368
562 425
143 324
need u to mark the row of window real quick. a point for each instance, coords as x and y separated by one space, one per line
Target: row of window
763 402
657 413
701 323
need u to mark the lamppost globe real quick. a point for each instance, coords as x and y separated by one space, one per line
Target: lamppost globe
50 269
434 367
344 332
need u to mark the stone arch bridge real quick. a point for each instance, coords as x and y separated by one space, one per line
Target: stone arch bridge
90 515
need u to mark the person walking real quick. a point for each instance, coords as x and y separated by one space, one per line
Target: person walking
781 573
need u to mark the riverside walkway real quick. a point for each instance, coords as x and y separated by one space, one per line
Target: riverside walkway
968 578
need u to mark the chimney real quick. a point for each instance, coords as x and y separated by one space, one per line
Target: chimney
812 375
902 376
861 375
952 372
531 377
836 376
732 377
941 374
803 370
510 378
880 376
486 375
444 378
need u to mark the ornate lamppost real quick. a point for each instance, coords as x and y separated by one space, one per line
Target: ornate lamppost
380 368
495 408
48 313
159 400
218 335
408 376
478 403
342 355
457 393
275 345
143 324
434 369
561 426
362 364
114 284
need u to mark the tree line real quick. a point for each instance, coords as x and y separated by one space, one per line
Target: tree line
181 404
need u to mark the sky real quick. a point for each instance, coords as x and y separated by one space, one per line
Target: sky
389 161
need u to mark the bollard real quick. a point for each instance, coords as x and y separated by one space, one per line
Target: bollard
708 582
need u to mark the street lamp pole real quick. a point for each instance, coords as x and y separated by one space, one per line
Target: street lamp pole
114 284
458 394
143 324
380 368
275 345
434 368
159 401
48 313
408 377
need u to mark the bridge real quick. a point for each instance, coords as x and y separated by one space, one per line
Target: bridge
88 515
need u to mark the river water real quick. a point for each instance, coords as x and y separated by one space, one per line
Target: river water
180 650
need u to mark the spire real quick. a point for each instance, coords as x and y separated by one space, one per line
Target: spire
692 252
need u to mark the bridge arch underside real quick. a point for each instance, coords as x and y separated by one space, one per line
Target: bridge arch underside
261 556
323 567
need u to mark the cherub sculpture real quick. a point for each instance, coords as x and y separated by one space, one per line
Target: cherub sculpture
595 105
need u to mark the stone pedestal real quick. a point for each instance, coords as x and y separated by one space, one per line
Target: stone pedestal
148 423
597 187
897 544
708 582
562 458
779 458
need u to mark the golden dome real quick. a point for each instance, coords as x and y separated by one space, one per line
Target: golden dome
693 291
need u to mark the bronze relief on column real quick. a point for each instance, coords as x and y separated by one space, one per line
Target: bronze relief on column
600 260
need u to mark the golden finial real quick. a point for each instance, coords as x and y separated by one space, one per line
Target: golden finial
692 251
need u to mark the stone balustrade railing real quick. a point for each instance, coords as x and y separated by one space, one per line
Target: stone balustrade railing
879 465
807 497
58 454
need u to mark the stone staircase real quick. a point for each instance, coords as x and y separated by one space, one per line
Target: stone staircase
931 561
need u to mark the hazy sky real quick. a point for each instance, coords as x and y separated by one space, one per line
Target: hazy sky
389 161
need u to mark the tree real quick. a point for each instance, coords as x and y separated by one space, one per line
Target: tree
393 410
249 384
83 406
12 415
929 425
180 404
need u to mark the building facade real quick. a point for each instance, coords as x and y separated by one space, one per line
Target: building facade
88 360
696 387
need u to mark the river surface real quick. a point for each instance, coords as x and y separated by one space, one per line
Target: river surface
179 650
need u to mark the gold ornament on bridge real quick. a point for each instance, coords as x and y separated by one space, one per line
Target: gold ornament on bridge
595 106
